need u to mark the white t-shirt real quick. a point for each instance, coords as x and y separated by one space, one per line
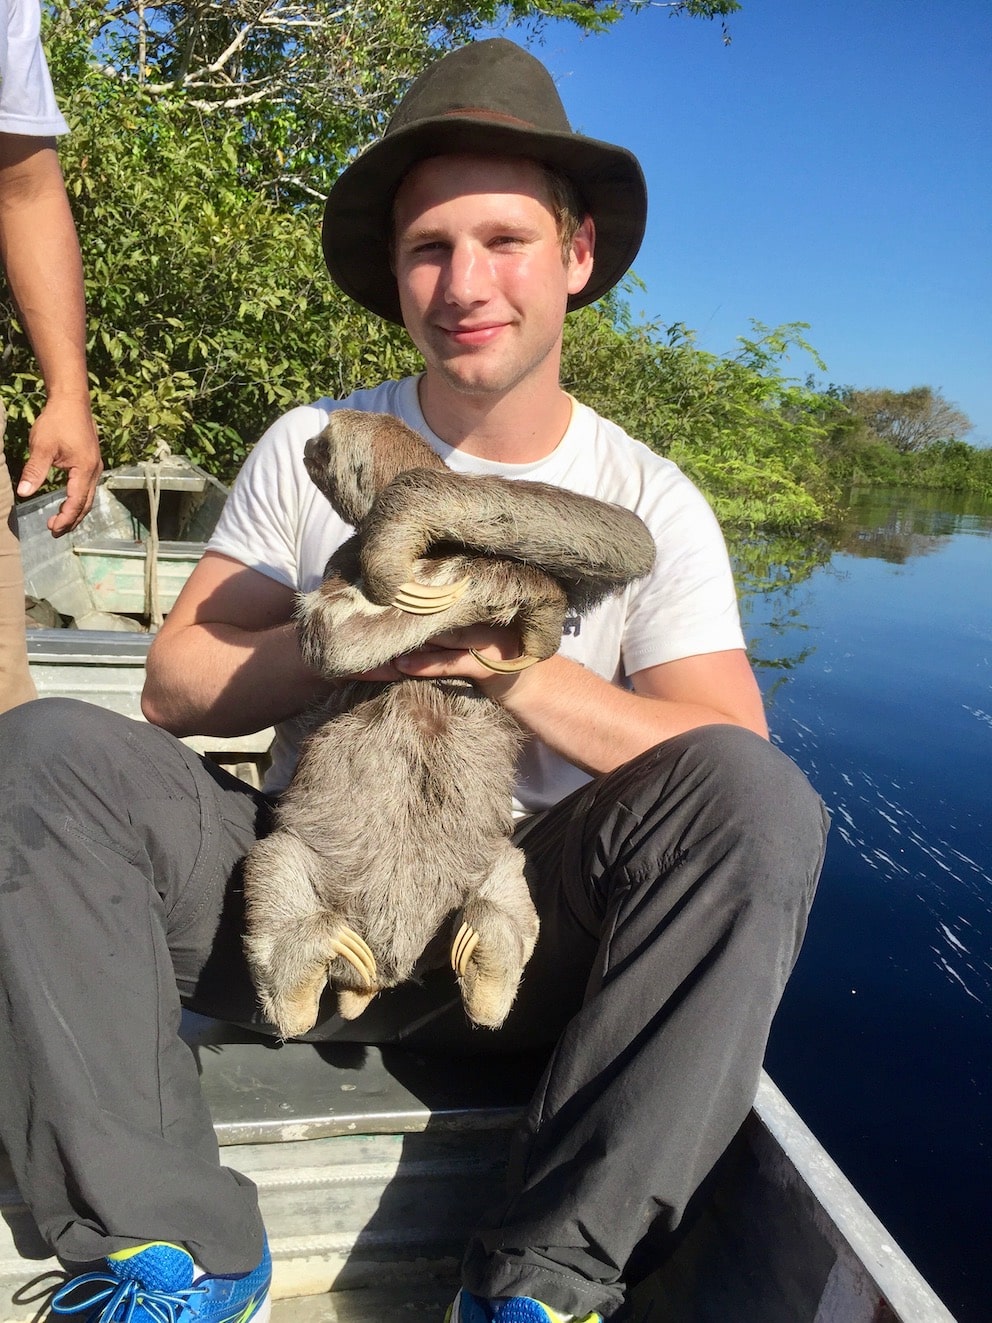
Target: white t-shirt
27 102
277 522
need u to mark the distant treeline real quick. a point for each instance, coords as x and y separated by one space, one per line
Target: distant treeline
203 141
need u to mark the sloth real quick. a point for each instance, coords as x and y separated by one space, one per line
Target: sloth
392 842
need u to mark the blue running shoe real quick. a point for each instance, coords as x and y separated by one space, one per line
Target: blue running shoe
469 1308
155 1283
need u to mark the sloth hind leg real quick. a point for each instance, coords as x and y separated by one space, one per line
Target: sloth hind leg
295 944
494 937
306 958
351 1004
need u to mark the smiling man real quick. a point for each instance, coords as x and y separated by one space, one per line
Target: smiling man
484 279
672 851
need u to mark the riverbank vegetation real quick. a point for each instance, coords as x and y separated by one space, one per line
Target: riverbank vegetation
203 141
912 438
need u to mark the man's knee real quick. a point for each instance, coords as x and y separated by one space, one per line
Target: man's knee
723 788
721 824
751 778
76 753
52 728
729 758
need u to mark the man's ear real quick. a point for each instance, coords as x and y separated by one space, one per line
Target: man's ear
581 256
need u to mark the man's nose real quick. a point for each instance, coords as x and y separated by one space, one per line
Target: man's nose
468 278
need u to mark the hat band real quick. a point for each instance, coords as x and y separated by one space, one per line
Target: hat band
493 116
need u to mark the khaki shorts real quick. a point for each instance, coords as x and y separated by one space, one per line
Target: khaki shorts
16 685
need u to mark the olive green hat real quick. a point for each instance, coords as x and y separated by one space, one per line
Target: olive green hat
491 98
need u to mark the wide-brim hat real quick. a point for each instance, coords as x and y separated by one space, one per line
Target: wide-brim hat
489 98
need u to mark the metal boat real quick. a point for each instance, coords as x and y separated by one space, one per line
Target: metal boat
372 1162
122 568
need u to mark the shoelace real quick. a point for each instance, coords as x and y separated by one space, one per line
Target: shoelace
121 1299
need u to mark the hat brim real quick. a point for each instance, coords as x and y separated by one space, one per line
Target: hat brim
356 232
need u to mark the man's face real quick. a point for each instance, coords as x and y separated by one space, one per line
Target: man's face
483 281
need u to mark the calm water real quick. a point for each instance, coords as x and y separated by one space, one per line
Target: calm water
876 659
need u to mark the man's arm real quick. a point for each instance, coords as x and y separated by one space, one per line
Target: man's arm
227 659
599 726
591 722
40 253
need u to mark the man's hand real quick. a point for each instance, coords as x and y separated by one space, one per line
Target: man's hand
591 722
449 655
64 436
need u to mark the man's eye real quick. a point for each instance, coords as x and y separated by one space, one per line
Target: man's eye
507 246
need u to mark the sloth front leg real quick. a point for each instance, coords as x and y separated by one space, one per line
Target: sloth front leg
591 546
412 514
504 592
343 633
525 597
494 937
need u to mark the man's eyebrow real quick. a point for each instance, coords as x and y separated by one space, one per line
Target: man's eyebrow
420 233
492 225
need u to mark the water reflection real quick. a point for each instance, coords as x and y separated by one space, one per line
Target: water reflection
860 667
873 646
891 525
772 570
895 526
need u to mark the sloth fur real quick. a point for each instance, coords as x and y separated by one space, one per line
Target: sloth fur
393 838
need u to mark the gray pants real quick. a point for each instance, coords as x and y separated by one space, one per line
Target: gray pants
673 896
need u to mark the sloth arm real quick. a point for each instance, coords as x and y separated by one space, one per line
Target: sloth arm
595 724
590 546
227 659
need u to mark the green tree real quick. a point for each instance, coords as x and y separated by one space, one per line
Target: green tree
204 139
306 82
743 429
869 441
951 466
908 420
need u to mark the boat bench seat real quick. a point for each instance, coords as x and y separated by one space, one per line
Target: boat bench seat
262 1091
120 550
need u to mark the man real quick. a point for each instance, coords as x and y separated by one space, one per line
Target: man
672 850
40 254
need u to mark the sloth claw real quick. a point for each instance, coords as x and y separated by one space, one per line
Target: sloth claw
466 940
354 949
505 667
423 599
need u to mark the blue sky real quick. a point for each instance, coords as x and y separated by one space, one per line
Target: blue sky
833 165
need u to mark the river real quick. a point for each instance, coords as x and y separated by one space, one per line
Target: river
874 651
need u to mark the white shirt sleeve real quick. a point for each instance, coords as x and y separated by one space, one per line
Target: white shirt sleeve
264 512
275 520
688 604
27 100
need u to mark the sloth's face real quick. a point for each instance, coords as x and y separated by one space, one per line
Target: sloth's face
482 278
